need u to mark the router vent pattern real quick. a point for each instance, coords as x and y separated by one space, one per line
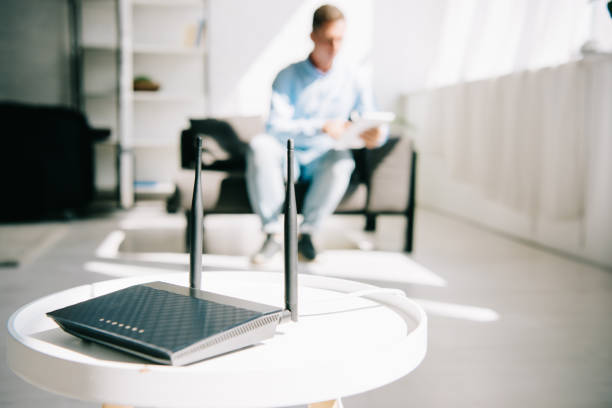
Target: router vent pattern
162 318
240 330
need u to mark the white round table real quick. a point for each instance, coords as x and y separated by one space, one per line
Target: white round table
343 344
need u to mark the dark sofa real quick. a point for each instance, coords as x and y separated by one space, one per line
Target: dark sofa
383 181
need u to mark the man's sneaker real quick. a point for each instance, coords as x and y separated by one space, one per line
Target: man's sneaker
268 250
306 249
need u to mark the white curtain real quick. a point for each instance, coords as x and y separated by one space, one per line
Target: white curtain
522 139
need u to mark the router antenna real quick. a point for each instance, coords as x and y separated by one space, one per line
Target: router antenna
290 239
195 224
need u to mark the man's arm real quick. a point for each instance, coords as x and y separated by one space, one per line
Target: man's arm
282 124
335 128
281 121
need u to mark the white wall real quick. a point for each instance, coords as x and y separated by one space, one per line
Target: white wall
422 44
251 41
406 35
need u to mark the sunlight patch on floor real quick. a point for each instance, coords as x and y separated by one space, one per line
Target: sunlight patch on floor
359 264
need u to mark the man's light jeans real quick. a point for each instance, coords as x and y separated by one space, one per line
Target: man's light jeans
329 175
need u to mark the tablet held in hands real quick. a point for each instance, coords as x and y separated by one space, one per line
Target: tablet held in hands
351 139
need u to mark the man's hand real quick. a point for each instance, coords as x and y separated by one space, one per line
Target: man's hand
335 127
372 137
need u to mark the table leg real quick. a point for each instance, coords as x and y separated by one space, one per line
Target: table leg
327 404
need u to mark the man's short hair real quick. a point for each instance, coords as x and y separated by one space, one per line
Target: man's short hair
325 14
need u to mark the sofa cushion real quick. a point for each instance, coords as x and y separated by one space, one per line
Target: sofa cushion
222 148
225 141
225 144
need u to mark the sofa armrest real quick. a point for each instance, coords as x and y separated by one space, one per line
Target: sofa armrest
390 180
225 141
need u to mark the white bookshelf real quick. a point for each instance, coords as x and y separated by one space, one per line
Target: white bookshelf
124 39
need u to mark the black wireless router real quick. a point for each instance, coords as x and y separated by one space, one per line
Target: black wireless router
176 325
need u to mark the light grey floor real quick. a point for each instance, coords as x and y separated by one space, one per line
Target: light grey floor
550 347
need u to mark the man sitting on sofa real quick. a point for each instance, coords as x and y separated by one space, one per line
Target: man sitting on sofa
311 103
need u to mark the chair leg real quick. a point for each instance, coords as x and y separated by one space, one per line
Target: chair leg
370 224
411 205
409 232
